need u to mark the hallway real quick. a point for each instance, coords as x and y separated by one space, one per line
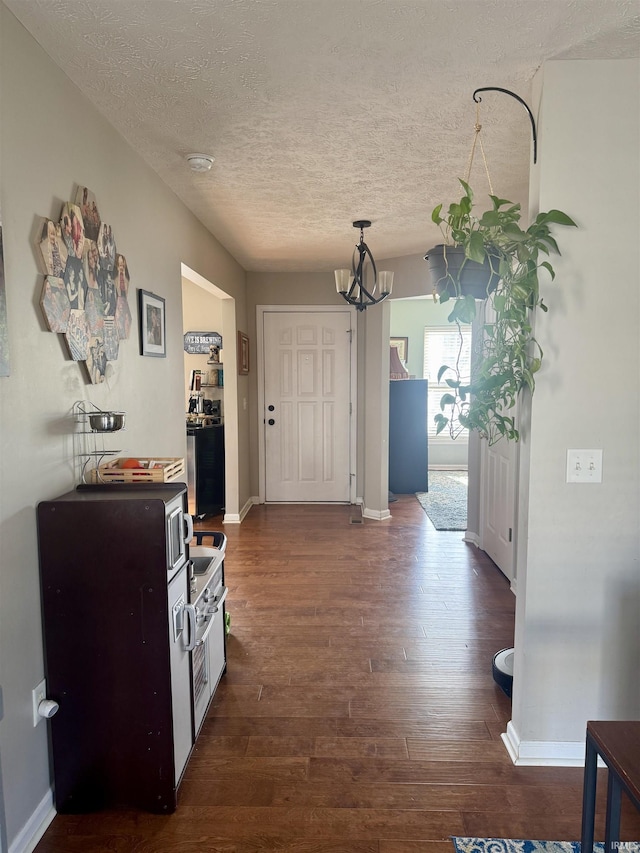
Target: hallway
358 713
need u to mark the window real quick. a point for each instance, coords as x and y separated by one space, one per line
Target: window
444 345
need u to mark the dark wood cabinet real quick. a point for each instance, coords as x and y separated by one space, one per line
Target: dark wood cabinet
408 445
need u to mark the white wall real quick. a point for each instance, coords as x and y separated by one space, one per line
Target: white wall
375 416
52 140
577 627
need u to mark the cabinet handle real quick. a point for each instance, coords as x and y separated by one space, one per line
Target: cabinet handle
190 610
189 522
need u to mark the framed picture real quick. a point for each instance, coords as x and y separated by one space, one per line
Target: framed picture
402 345
243 353
152 324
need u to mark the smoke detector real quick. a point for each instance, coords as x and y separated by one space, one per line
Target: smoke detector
200 162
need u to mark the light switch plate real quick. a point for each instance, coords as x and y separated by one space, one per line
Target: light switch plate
584 466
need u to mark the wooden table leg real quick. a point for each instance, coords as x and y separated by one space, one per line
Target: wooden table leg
589 797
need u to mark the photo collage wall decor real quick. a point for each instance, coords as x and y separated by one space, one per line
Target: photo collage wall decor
86 285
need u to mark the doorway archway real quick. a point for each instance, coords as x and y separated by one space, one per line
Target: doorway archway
225 310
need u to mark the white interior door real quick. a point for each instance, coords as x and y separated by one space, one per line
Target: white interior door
307 395
499 469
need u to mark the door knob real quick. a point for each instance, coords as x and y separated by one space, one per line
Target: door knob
272 408
271 422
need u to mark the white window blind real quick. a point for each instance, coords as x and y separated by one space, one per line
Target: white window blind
444 345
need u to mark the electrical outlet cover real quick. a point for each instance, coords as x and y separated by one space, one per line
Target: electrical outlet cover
38 694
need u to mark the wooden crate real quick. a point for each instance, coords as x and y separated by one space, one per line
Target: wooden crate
167 470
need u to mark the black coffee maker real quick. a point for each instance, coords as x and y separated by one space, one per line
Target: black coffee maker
213 409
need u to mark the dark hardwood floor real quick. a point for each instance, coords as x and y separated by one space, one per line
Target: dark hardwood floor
358 713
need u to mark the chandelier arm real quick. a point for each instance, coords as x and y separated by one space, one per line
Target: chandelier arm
351 290
361 305
371 300
373 267
363 250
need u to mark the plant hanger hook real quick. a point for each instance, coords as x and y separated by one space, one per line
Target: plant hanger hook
524 104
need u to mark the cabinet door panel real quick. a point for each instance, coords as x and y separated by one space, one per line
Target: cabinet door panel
408 460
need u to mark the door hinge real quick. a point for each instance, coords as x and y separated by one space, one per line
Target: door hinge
510 534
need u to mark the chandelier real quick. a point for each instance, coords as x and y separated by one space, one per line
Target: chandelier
359 284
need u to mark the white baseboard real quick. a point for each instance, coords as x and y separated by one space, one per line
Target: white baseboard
33 830
238 517
538 753
377 515
372 513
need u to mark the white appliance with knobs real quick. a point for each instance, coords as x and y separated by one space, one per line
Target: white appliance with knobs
116 588
206 617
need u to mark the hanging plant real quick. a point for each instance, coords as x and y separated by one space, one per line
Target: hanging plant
509 355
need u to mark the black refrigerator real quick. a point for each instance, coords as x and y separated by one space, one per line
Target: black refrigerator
408 444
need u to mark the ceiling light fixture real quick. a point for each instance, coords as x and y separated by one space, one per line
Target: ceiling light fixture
355 285
200 162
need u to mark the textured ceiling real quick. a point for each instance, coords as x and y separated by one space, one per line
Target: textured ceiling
319 112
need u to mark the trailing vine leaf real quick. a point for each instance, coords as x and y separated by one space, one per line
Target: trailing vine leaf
509 354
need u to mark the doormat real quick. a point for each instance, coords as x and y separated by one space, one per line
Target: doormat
509 845
446 501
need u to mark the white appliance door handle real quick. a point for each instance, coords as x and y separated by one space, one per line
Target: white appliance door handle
190 610
189 522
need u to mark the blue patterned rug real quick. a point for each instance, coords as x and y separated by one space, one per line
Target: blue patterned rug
509 845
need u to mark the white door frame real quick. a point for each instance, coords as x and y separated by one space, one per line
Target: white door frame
261 310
